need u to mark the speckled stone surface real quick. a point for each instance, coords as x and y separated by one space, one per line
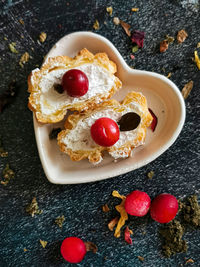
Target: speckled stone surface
177 171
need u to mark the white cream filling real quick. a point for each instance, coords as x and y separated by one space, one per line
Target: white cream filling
100 81
80 138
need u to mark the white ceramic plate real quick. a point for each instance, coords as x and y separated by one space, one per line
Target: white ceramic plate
163 97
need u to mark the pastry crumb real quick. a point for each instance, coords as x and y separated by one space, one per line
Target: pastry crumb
116 20
24 58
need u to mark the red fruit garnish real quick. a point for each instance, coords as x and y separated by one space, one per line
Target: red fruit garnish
154 121
137 203
73 249
105 132
75 83
164 208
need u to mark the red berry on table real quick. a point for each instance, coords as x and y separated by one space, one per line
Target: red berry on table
137 203
105 132
75 83
73 249
164 208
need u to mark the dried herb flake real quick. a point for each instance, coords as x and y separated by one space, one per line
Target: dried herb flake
197 59
181 36
96 25
24 58
43 243
8 174
109 10
42 37
33 208
150 174
12 48
60 220
105 208
187 89
91 247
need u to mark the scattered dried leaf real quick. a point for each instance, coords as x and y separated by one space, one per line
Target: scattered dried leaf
116 20
154 121
43 243
42 37
189 261
187 89
12 48
54 133
3 153
198 45
109 10
112 223
164 46
8 95
197 59
8 174
127 235
126 27
91 247
33 208
135 9
96 25
141 258
123 214
5 38
105 208
181 36
21 21
25 250
60 220
150 174
24 58
137 37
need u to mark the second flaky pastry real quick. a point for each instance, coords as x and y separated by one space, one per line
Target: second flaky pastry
50 87
111 126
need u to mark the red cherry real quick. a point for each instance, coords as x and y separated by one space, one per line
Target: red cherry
73 249
75 83
164 208
137 203
105 132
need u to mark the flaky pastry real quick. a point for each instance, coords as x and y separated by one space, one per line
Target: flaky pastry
50 106
76 140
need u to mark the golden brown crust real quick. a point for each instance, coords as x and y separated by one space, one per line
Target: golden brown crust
83 57
95 155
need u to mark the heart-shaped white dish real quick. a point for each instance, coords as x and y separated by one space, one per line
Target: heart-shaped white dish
163 97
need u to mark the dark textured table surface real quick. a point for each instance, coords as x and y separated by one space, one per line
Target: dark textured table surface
177 171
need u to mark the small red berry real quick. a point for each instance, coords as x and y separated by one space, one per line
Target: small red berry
75 83
137 203
105 132
73 249
164 208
